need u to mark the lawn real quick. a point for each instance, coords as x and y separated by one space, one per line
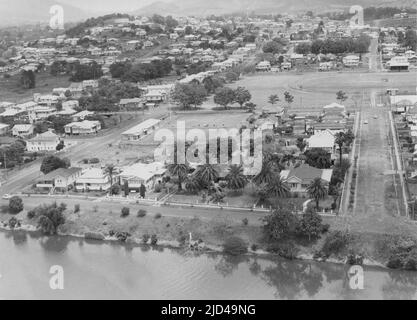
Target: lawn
11 91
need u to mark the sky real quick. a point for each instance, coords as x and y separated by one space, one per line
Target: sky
110 5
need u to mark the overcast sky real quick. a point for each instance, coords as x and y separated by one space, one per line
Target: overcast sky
110 5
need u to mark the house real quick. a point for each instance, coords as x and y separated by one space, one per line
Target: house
398 63
60 178
263 66
155 96
322 139
133 103
81 115
142 173
351 61
298 179
92 84
93 179
4 129
83 127
139 131
41 112
47 141
23 130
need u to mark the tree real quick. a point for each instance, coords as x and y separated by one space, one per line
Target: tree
310 225
28 79
211 84
110 168
52 163
266 173
273 99
317 191
50 217
300 143
340 141
190 94
180 171
349 137
289 98
224 96
192 185
206 174
15 204
236 180
318 158
411 39
279 224
242 95
272 47
341 96
277 187
142 191
303 48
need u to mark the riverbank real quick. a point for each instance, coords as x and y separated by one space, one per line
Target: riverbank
103 222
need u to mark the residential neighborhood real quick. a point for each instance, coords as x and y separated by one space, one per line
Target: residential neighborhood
280 139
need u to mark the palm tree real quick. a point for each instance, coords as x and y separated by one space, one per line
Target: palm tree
206 174
192 185
273 99
317 191
340 141
110 168
277 187
235 178
180 171
266 173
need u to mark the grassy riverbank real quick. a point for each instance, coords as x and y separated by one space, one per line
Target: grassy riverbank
174 225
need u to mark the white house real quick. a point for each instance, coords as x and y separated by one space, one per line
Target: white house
142 173
351 61
23 130
93 179
47 141
59 178
139 131
322 139
83 127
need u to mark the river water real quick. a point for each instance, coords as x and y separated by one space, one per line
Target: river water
112 271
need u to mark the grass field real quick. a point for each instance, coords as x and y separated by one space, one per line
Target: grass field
11 91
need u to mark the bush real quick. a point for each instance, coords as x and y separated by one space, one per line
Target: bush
286 250
335 243
235 246
13 223
125 212
245 221
145 238
15 204
254 247
158 216
76 208
141 213
31 214
154 240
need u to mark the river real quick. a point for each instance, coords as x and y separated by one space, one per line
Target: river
113 271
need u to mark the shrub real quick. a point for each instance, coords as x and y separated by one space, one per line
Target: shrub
254 247
235 246
76 208
141 213
335 242
13 223
286 250
31 214
125 212
145 238
245 221
158 216
154 240
15 204
410 262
